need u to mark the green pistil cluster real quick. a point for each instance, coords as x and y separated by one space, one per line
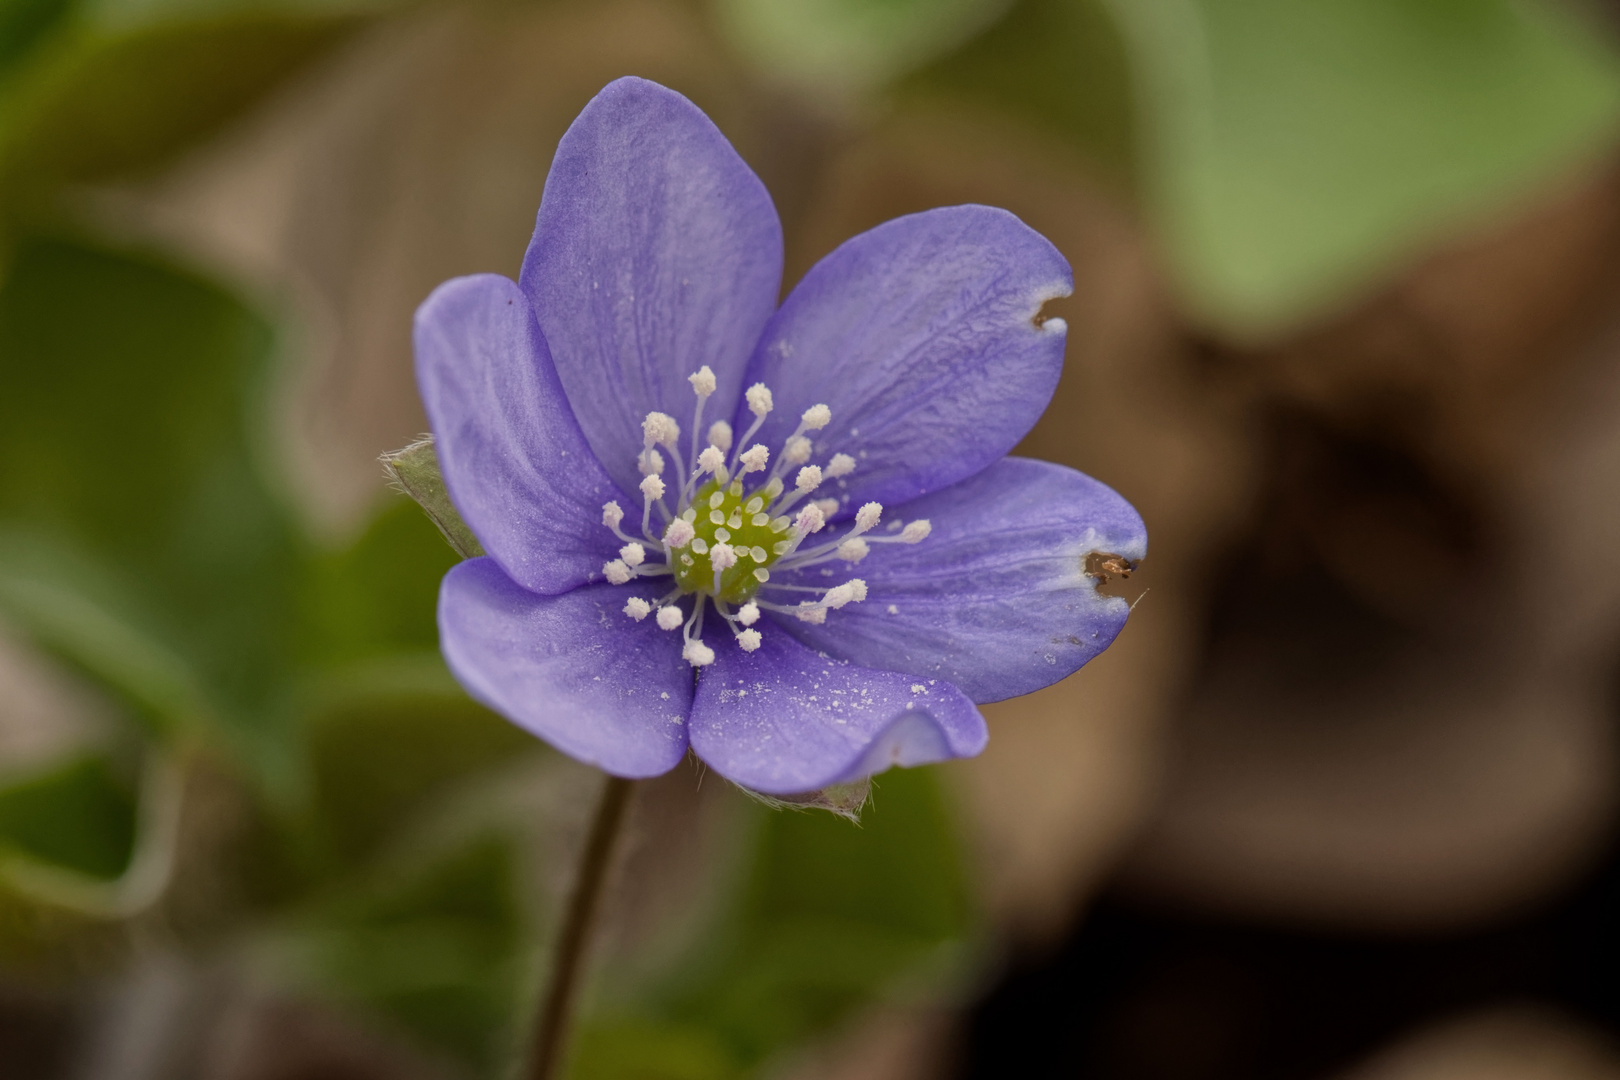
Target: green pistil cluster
728 515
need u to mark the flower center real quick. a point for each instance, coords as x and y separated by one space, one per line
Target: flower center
728 528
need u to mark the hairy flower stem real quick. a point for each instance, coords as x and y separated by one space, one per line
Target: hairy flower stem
574 936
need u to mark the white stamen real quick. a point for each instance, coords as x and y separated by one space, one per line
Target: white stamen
797 450
697 654
829 507
758 553
916 532
616 572
700 546
853 550
722 557
759 400
816 417
703 383
867 517
755 458
670 618
772 489
810 520
748 614
612 514
840 465
720 435
808 480
762 575
660 429
637 608
748 640
712 460
847 593
652 486
679 534
811 612
652 463
633 554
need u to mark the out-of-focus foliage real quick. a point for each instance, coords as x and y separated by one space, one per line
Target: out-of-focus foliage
1288 153
827 916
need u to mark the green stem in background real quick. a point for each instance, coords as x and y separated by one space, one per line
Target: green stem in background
573 937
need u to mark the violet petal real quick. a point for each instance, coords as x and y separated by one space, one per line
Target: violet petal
516 464
996 599
785 719
656 251
572 669
919 335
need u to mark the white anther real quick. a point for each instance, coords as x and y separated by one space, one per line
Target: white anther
722 556
759 399
702 382
616 572
808 480
748 640
652 463
762 575
811 612
839 595
697 654
829 507
755 458
652 487
797 450
773 489
670 618
867 517
853 550
758 553
633 554
816 417
612 514
916 532
679 534
712 460
720 435
660 429
840 465
637 608
748 614
700 546
810 520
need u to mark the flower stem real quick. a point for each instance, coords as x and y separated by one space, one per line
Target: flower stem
573 937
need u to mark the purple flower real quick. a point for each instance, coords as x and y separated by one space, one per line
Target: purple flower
787 537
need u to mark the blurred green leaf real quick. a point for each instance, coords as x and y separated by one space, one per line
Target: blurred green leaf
96 102
1058 65
24 22
438 952
80 816
124 430
630 1049
849 44
828 916
378 759
1294 150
